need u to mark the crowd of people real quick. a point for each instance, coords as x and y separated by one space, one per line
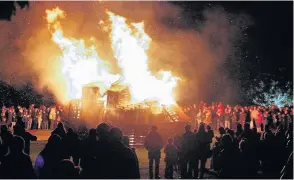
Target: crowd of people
104 153
34 118
248 149
253 142
241 154
218 115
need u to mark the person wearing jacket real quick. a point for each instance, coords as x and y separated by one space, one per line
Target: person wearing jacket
153 143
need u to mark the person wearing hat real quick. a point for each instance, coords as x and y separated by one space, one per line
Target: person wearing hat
154 143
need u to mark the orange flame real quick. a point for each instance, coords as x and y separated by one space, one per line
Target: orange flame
82 65
130 45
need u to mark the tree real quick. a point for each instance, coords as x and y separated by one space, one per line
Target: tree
270 92
8 8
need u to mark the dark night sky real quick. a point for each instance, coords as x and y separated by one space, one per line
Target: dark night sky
269 45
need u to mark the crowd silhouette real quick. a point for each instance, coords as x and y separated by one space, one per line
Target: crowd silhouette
251 142
105 153
102 154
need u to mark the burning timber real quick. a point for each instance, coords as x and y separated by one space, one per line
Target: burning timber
114 106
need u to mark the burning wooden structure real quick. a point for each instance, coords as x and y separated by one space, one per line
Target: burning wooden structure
118 108
74 109
89 108
92 105
118 95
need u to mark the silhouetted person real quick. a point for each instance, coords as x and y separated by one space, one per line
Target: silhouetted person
72 145
6 137
83 132
67 170
19 130
268 149
59 130
49 157
270 120
171 157
203 141
247 133
242 116
95 165
88 150
227 158
239 130
45 119
210 132
16 164
222 132
34 124
187 146
230 132
177 143
103 132
247 117
255 135
248 163
153 143
123 162
235 141
216 150
268 134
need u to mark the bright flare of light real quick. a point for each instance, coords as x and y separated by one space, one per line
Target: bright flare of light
80 64
130 44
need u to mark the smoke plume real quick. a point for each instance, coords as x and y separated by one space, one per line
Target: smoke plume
193 49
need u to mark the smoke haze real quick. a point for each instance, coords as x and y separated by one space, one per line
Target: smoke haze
194 50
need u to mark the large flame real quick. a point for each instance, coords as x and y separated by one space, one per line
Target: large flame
130 44
82 65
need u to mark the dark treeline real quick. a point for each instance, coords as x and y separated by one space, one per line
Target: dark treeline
23 96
